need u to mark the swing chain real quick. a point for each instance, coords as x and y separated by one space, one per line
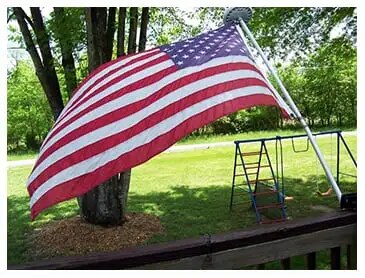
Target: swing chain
281 173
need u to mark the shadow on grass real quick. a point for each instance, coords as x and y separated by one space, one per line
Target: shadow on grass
20 226
185 211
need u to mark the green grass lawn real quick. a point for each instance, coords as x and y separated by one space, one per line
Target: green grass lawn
197 140
248 135
190 193
21 155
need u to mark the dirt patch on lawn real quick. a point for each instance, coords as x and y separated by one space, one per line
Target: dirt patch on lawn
73 236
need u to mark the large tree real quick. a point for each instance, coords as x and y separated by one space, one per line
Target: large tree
106 203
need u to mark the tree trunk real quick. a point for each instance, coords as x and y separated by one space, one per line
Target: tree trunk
121 32
96 26
44 67
68 62
133 18
110 33
143 30
106 204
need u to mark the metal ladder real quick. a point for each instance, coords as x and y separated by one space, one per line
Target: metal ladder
252 183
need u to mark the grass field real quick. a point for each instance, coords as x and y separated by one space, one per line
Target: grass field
190 193
196 140
21 155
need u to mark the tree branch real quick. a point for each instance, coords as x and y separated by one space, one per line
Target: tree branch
29 43
68 62
110 33
96 28
44 68
9 17
42 37
26 17
143 30
121 31
133 19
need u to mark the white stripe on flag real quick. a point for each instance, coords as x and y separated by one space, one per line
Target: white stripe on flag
97 161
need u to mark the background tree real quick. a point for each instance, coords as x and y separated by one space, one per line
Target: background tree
296 32
330 76
29 117
43 60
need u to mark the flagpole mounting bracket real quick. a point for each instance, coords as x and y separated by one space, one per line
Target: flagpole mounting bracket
235 13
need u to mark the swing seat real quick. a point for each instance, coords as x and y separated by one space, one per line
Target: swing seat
327 193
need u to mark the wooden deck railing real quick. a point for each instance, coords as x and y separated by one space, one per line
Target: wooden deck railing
236 250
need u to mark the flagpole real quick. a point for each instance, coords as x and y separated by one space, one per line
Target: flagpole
246 13
280 99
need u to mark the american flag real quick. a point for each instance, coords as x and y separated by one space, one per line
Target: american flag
136 106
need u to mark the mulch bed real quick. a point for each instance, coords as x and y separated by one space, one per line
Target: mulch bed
73 236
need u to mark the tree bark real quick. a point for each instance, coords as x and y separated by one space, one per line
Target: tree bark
68 62
96 22
110 33
143 30
133 18
43 63
106 204
121 32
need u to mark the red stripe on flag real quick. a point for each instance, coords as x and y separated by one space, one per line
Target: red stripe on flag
85 183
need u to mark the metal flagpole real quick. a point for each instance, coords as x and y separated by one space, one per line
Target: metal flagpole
245 14
278 96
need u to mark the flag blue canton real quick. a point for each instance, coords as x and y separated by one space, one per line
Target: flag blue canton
221 42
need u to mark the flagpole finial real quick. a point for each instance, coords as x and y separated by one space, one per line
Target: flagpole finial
235 13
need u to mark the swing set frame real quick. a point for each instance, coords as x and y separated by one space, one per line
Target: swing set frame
279 153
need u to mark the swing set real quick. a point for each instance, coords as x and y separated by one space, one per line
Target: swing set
266 189
261 188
